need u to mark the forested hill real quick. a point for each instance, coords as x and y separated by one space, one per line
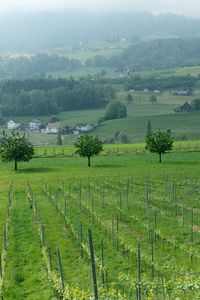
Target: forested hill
26 65
50 96
161 53
41 31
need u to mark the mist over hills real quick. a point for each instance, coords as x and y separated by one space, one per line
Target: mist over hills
41 31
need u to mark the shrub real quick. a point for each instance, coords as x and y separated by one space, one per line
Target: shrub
116 110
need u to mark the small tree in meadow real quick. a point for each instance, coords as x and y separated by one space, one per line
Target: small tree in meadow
16 148
153 99
159 142
59 138
149 128
88 146
115 110
129 98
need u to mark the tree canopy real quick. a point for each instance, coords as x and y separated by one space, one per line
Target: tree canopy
116 110
15 148
88 146
153 99
149 128
129 98
47 96
159 142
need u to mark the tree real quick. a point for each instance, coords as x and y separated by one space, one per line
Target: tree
195 104
88 146
121 137
15 148
59 138
159 142
116 110
129 98
149 128
153 99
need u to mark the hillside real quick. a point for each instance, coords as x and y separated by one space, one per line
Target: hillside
39 31
161 53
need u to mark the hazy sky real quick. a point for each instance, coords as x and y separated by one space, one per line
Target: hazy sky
186 7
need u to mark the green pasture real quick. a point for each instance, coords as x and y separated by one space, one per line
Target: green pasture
88 51
183 125
193 71
141 165
82 72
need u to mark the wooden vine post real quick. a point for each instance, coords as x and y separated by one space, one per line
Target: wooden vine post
139 272
60 269
94 278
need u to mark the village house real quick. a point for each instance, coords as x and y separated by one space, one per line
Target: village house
34 125
12 125
183 92
156 91
52 128
186 107
81 128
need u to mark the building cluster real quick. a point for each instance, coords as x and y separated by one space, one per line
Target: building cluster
37 126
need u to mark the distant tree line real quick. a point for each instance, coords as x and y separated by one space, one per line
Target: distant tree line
25 66
138 82
195 104
50 96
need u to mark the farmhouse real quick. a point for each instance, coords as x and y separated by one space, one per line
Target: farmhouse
12 125
83 128
52 128
156 91
186 107
183 92
34 125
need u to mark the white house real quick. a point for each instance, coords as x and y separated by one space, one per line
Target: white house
52 128
34 125
83 128
12 125
156 91
183 92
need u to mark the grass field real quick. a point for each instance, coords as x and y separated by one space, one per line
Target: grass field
86 51
183 125
84 71
54 201
193 71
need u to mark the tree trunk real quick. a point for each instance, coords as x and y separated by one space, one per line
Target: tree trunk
160 160
15 165
88 161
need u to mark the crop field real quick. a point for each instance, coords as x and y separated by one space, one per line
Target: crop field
144 218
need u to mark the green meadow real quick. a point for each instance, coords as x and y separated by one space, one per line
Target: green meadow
183 125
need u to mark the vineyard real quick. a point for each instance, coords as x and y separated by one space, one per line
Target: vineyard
139 237
115 149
